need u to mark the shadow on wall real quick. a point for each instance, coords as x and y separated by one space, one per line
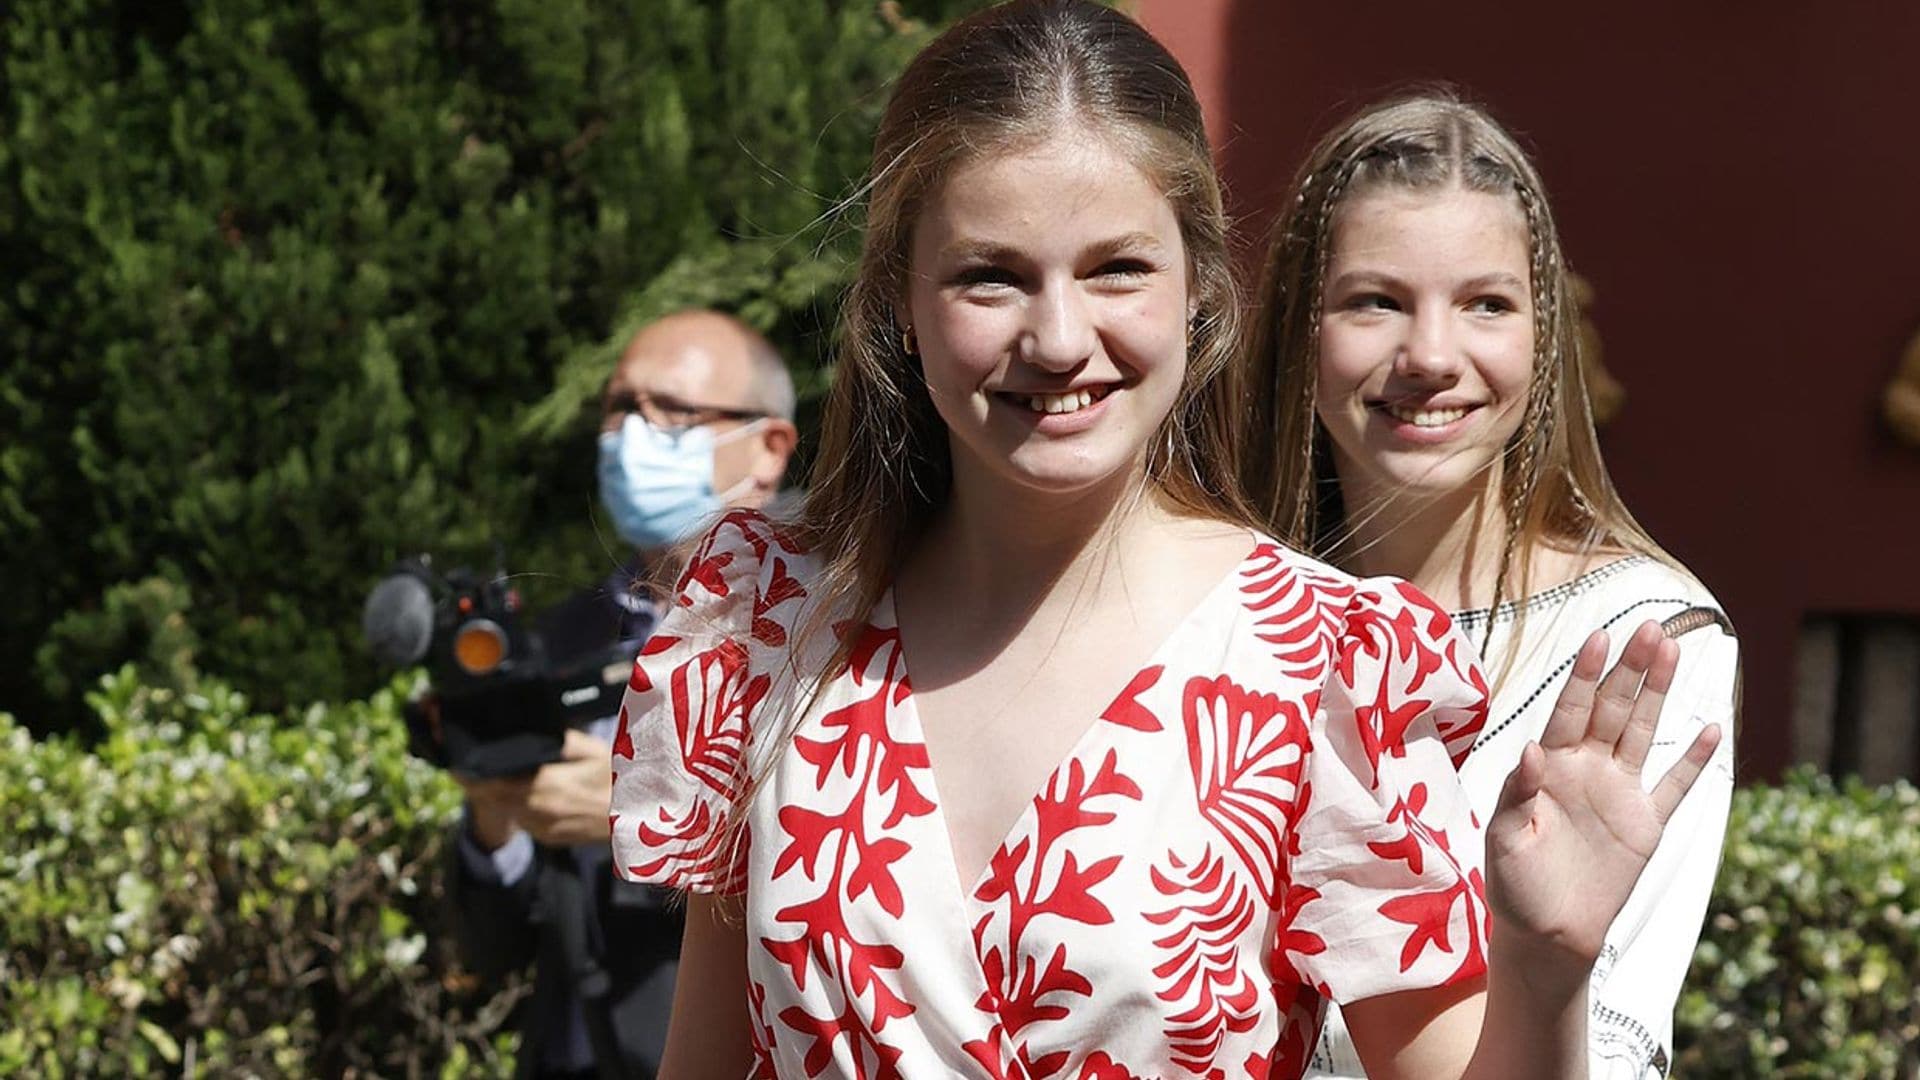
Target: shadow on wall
1856 701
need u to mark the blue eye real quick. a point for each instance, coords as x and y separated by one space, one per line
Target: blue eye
1124 268
1373 302
1491 305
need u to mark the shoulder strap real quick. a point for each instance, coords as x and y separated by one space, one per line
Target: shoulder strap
1697 618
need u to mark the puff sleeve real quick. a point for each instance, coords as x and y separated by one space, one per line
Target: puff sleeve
1386 891
680 752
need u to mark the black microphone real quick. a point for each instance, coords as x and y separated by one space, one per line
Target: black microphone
398 620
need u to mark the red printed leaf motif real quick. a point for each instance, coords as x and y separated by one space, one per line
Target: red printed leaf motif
1247 754
1020 991
1298 610
1072 896
1204 969
1126 709
858 745
873 870
810 830
709 570
781 588
710 696
1429 914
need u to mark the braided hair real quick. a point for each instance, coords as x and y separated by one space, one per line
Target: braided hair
1553 484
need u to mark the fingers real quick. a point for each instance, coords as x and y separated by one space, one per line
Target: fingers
579 746
570 803
1523 783
1679 779
1601 710
1631 749
1613 703
1512 824
565 787
1568 724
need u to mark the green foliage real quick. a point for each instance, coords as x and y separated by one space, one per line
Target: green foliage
290 290
250 895
210 891
146 619
1809 967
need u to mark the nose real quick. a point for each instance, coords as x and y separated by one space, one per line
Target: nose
1060 334
1431 352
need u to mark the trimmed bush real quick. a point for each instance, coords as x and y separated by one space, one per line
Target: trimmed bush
213 892
1809 968
291 290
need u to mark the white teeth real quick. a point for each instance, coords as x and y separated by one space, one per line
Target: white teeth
1060 403
1426 417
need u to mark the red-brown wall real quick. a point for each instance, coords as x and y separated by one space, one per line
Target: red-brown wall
1742 188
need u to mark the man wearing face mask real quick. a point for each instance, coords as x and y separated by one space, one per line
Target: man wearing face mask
696 419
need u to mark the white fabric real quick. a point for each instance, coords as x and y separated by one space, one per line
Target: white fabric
1637 980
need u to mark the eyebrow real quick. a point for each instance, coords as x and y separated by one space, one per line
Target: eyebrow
989 251
1356 278
1126 242
1497 279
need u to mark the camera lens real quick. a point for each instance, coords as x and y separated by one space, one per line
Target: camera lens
480 646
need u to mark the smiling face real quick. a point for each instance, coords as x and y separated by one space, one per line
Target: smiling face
1048 294
1426 341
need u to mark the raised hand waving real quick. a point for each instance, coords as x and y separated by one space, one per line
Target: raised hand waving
1575 824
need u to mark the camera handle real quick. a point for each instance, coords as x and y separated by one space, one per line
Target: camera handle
566 899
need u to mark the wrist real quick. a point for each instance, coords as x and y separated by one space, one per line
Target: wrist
1535 1022
1540 967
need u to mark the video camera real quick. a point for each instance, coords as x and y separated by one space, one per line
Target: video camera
499 704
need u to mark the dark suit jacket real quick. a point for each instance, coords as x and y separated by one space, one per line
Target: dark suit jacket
632 932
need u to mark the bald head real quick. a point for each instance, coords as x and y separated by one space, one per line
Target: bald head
708 358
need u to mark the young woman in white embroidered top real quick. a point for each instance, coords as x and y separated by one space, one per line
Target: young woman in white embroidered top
1155 781
1415 347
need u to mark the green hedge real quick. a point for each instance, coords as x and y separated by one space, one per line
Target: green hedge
1809 968
216 892
292 289
259 896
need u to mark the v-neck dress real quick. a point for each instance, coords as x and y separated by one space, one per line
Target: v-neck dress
1265 818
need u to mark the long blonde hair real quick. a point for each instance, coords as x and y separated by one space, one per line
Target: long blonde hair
996 82
1554 485
999 80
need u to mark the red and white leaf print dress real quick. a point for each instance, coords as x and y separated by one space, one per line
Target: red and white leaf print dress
1265 817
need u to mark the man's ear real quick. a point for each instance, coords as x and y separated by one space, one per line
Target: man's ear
777 439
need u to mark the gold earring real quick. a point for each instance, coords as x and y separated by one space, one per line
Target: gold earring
907 344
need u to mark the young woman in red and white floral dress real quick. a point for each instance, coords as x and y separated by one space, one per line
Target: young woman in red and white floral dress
1022 753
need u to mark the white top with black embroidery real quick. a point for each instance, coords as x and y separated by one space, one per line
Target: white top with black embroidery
1638 977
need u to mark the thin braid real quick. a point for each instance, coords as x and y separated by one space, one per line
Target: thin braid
1538 428
1529 448
1306 514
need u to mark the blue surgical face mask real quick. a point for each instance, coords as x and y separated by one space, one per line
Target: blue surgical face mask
658 486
